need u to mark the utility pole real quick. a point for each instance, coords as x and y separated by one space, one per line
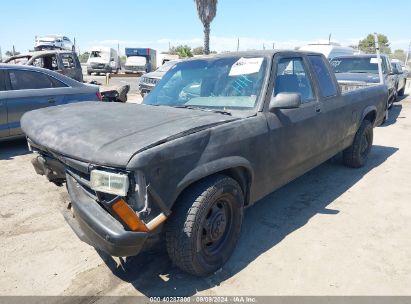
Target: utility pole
273 45
14 51
408 54
238 44
377 48
1 55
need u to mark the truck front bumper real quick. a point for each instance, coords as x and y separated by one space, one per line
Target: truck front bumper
95 226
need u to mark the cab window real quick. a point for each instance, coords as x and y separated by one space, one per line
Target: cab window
323 75
292 77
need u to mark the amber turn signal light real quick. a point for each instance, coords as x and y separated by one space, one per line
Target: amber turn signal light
129 217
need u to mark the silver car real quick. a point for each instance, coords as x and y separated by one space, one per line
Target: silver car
25 88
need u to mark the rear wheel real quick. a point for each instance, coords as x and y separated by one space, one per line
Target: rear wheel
356 155
401 92
203 230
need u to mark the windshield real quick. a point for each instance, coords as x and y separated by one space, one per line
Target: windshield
355 65
99 54
219 83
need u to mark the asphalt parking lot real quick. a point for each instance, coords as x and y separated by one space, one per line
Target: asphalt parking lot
333 231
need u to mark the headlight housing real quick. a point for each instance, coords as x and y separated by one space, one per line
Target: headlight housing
108 182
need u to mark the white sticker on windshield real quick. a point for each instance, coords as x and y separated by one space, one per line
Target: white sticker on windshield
374 60
245 66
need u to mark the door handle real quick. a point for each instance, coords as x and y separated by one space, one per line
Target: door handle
51 100
318 110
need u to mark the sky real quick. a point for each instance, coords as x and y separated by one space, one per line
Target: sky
158 23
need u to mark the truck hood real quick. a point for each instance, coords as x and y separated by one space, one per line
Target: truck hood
158 75
111 134
360 77
97 60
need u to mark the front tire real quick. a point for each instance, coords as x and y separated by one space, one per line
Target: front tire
203 231
356 155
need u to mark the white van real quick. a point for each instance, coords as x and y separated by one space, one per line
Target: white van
329 49
135 64
103 60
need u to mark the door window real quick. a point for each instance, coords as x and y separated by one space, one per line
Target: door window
324 78
2 81
292 77
28 80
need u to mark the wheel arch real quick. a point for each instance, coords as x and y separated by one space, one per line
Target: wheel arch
370 114
236 167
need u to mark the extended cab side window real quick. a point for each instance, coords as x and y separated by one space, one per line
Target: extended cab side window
68 61
323 75
292 77
26 80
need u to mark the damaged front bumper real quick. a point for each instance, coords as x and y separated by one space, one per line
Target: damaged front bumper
95 226
90 218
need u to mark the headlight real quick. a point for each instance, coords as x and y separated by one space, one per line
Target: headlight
107 182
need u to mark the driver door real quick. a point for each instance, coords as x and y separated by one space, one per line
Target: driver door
295 137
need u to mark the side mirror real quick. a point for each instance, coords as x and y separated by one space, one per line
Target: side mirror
285 101
112 59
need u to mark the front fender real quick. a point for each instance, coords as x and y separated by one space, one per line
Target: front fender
211 168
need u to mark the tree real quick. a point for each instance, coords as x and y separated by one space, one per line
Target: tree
182 51
10 53
206 10
367 45
83 57
198 50
399 54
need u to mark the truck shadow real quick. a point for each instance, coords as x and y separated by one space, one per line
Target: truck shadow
265 225
11 148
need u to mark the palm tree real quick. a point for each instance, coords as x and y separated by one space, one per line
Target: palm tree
206 9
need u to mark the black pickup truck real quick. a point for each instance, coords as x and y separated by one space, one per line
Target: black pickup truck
215 135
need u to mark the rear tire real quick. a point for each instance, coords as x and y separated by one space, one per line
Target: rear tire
356 155
206 223
401 92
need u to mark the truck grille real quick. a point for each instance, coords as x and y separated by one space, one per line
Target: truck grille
153 81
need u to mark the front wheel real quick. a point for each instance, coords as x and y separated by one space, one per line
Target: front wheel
356 155
204 228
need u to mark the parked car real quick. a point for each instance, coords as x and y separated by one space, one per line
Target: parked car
64 62
403 66
401 78
186 167
358 70
149 80
103 60
53 42
24 88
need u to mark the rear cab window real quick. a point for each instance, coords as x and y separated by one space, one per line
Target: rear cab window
292 77
321 71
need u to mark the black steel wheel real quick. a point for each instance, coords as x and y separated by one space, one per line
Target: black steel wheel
204 228
356 155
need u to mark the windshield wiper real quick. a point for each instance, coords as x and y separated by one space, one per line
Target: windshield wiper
203 109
